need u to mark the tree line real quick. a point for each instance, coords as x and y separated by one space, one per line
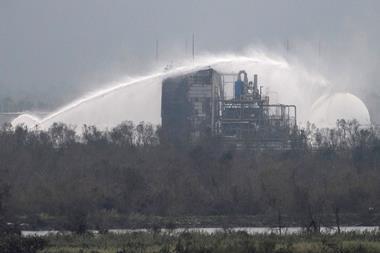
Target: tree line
134 170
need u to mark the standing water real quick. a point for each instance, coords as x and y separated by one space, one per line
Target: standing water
249 230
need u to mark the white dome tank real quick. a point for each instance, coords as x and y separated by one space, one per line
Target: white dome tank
329 108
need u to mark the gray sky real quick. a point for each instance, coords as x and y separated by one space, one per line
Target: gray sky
57 50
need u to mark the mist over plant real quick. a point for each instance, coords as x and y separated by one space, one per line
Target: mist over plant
55 52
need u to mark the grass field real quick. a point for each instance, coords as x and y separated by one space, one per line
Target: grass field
226 242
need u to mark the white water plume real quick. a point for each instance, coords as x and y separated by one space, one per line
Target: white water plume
139 99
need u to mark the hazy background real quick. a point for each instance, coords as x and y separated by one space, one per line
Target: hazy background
55 51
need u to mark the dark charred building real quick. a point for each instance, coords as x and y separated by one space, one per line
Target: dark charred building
208 103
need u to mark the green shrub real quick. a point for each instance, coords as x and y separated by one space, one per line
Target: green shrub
13 243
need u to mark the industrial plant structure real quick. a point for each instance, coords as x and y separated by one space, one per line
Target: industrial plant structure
208 103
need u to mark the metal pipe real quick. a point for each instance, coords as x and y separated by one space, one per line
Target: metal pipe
255 80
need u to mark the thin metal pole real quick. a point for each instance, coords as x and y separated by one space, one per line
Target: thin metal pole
193 48
156 50
186 49
287 46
